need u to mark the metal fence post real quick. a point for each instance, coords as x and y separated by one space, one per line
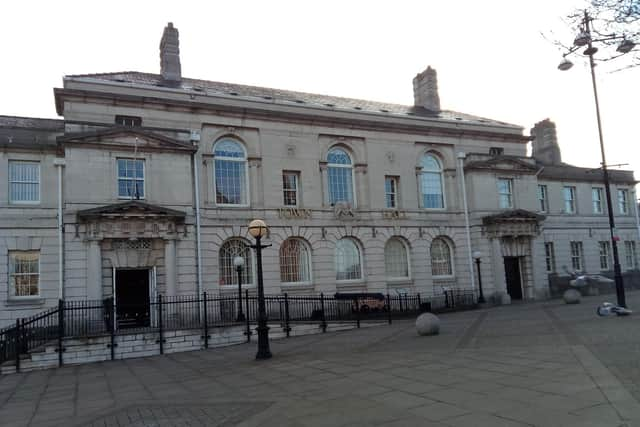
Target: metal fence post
323 325
388 308
109 309
161 339
206 320
18 344
357 312
248 316
60 330
419 303
287 329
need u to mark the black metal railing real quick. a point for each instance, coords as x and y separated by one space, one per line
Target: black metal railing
87 318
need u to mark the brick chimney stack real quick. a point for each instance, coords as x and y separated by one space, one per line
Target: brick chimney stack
545 148
170 55
425 90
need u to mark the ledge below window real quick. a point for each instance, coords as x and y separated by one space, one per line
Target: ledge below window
25 301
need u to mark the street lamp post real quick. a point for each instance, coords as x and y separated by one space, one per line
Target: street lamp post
258 229
477 255
584 39
238 262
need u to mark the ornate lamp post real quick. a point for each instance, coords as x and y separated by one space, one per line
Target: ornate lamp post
477 255
258 229
238 263
584 38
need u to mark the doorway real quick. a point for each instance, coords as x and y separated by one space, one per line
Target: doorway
132 298
514 279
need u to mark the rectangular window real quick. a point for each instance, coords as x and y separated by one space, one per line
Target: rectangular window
496 151
550 257
391 191
576 256
128 121
130 179
569 199
596 196
24 273
542 198
604 255
630 255
290 188
24 182
505 192
623 202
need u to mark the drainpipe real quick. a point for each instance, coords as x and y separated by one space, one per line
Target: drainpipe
461 157
195 138
59 163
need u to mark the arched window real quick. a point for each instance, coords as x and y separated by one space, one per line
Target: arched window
230 173
441 264
295 261
340 169
228 251
431 183
395 259
347 260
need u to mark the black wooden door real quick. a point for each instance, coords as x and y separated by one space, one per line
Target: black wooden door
512 273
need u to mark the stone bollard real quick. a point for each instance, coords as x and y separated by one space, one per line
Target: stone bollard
571 296
428 324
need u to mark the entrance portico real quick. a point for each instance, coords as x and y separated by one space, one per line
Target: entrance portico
131 236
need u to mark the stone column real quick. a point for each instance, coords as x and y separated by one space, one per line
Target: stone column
94 271
255 190
170 276
362 186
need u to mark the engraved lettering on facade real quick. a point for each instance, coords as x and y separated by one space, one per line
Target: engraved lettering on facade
294 213
394 215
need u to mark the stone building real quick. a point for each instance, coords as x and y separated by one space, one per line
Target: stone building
148 182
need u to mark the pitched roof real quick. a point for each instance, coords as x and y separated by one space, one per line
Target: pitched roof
280 96
29 132
568 172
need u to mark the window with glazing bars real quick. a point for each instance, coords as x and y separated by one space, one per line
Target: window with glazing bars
391 191
605 253
623 202
340 171
290 188
230 173
130 179
395 259
441 258
24 273
431 183
569 199
596 196
227 271
347 260
630 254
295 262
24 182
576 256
542 198
505 192
550 257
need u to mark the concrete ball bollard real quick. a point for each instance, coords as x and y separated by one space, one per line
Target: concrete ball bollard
571 296
428 324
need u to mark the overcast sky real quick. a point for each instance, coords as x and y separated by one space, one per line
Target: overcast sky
491 58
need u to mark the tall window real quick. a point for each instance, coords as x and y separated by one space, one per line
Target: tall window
630 254
542 198
391 191
550 257
290 188
505 192
130 179
230 173
395 259
24 273
340 170
295 262
576 256
569 199
604 255
24 182
228 251
431 183
623 202
347 260
441 264
596 196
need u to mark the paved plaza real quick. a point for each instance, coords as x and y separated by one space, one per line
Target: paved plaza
541 364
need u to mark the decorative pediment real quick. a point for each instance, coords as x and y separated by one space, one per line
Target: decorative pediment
513 223
127 138
131 209
502 164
